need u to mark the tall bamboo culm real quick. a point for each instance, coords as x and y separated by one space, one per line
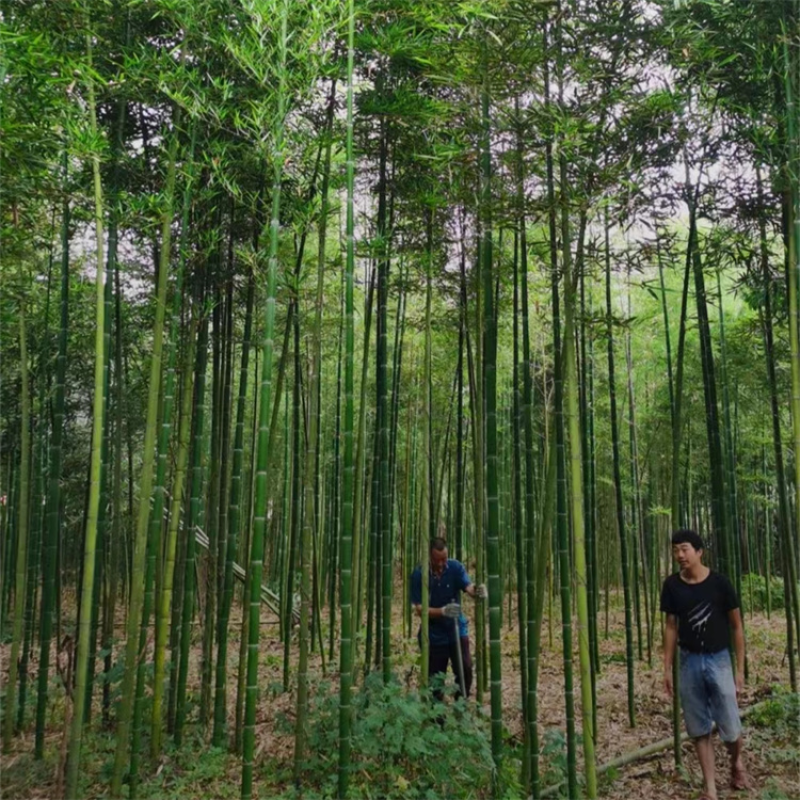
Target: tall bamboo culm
51 532
87 590
260 507
490 404
136 598
22 527
346 531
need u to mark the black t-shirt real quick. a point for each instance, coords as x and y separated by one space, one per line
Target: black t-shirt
702 611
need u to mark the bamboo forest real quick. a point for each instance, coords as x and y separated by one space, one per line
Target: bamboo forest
297 297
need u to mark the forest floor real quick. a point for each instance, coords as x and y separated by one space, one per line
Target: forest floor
198 770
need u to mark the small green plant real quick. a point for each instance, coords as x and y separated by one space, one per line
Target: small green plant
611 658
756 586
783 755
772 792
183 774
607 779
554 754
405 745
780 713
511 773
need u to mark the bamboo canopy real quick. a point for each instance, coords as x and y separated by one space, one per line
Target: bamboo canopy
292 290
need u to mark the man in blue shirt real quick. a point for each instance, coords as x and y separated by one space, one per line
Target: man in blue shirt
446 580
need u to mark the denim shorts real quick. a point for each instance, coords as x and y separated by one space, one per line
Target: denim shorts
708 695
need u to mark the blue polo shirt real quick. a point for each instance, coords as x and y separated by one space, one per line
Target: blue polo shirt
442 589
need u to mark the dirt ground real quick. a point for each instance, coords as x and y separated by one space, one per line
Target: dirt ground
656 777
773 762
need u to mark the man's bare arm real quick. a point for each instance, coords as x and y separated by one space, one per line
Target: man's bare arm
735 620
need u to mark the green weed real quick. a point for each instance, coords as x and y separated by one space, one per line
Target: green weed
781 755
773 792
756 585
780 713
554 756
404 745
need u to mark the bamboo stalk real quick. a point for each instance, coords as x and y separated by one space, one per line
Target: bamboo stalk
23 526
137 590
346 646
260 508
50 544
184 430
84 624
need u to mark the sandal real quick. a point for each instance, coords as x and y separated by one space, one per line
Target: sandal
740 780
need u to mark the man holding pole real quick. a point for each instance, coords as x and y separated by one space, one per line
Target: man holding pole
448 632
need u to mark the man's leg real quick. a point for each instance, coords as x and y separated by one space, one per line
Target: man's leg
725 710
697 715
739 776
437 665
704 747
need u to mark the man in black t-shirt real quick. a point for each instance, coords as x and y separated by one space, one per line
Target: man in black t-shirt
702 612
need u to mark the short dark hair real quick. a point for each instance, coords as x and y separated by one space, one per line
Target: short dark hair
438 544
687 536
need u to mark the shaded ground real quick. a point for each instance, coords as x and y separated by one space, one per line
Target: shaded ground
774 762
200 771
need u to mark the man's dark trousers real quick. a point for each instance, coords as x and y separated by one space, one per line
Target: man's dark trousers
441 654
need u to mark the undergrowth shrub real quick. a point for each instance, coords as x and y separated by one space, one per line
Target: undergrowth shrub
755 586
404 745
780 714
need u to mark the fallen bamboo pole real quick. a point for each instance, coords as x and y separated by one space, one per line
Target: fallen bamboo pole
642 753
268 597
